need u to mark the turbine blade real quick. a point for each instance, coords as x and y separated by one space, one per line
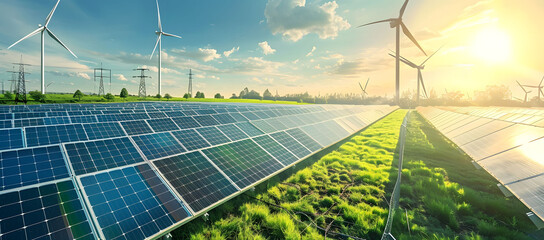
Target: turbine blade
361 87
367 83
430 56
411 37
540 84
58 40
159 16
404 60
521 86
423 84
403 8
27 36
386 20
156 43
51 14
171 35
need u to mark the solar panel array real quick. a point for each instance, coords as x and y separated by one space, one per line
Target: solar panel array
506 142
139 170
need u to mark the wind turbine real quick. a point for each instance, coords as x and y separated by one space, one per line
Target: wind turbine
419 75
159 34
364 89
398 24
539 88
526 92
42 29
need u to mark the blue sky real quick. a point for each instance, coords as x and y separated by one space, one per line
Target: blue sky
286 45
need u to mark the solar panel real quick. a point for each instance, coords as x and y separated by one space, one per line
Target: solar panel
131 203
156 114
56 120
103 130
224 118
158 145
290 143
88 157
83 119
303 138
206 120
264 126
162 124
37 136
276 150
244 162
249 129
238 117
6 124
186 122
191 139
51 211
28 122
30 166
11 138
195 179
213 135
136 127
232 132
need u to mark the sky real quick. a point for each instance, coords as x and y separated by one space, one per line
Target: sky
288 46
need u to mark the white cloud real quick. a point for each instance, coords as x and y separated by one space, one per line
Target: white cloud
203 54
294 19
311 52
263 81
120 77
229 52
84 75
266 48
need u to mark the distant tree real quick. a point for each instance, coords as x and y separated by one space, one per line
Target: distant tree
124 93
498 92
78 94
253 95
267 95
37 96
187 96
233 96
218 96
199 94
8 95
167 96
109 97
244 92
158 96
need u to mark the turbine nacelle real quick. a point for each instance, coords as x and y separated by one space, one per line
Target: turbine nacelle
393 23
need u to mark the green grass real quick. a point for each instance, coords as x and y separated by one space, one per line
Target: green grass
67 98
445 197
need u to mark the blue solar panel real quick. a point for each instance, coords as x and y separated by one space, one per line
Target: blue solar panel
206 120
224 118
162 124
276 150
37 136
56 120
11 138
186 122
175 114
158 145
52 211
28 122
103 130
238 117
264 126
190 139
132 203
156 114
213 135
88 157
303 138
290 143
136 127
6 124
249 129
84 119
233 132
195 179
31 165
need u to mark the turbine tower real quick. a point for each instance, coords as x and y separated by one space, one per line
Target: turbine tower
42 29
397 23
190 88
141 90
538 88
364 89
159 34
524 90
419 75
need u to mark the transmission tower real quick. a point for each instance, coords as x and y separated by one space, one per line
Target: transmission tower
190 89
141 90
13 80
20 88
101 77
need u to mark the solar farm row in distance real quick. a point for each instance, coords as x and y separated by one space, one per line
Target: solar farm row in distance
504 141
140 178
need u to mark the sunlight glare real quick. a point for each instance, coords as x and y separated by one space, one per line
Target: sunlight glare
492 45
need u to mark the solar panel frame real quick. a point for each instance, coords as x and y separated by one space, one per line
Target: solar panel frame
191 139
11 138
136 127
162 124
213 135
158 145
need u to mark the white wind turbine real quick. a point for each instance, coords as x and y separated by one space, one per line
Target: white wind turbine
42 29
160 33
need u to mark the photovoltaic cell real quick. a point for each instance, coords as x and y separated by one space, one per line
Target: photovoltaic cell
233 132
249 129
303 138
277 150
238 117
36 136
136 127
162 124
186 122
11 138
30 166
6 124
132 203
83 119
156 114
195 179
158 145
52 211
190 139
56 120
28 122
224 118
290 143
88 157
103 130
264 126
206 120
213 135
243 162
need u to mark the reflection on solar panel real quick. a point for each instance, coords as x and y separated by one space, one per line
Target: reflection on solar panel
195 179
32 165
11 138
88 157
52 211
244 162
129 164
132 203
158 145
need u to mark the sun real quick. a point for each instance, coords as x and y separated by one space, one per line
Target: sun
492 45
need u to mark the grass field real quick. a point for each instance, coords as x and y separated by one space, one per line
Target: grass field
67 98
